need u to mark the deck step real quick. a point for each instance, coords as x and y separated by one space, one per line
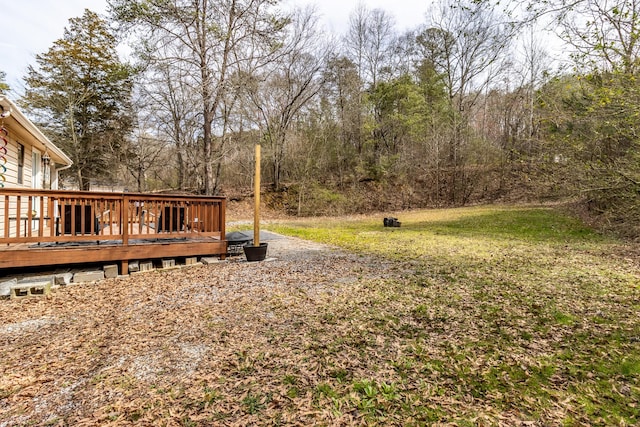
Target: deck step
25 290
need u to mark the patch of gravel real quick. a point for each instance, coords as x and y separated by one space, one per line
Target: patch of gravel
26 326
295 249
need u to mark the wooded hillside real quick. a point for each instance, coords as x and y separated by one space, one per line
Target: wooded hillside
469 107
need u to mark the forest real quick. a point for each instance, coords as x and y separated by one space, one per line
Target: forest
471 107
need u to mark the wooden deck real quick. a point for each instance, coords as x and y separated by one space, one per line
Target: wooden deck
46 228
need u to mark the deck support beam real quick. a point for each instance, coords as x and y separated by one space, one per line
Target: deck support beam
31 257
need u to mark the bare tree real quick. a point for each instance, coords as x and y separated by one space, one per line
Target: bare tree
169 104
282 88
369 41
605 33
216 37
342 92
466 42
144 154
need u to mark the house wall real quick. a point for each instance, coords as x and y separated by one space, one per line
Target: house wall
54 177
19 130
17 135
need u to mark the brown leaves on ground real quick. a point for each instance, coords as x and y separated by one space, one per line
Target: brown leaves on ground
223 343
323 337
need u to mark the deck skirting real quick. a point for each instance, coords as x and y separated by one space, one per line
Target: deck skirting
46 256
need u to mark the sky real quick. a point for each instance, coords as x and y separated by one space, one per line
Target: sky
31 26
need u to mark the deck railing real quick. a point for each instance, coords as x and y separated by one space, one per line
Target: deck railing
37 216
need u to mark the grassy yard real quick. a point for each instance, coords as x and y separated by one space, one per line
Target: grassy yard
495 316
485 316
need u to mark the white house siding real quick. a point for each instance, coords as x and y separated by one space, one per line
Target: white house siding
11 175
11 180
21 131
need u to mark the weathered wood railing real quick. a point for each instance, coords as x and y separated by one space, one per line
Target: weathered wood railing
37 216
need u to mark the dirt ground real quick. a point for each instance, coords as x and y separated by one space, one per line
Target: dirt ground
178 347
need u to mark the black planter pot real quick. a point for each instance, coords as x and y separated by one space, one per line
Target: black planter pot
255 253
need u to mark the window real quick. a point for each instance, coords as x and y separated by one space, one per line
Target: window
20 163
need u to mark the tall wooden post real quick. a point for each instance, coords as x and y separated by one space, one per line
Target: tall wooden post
256 197
124 230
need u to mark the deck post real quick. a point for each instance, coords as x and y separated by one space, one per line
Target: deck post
256 198
7 227
124 219
222 214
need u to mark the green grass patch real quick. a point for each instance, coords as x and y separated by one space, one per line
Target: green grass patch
253 403
520 224
489 313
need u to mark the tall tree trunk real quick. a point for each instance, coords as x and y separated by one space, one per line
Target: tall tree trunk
208 170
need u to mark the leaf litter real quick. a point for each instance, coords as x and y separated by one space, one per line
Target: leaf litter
319 336
146 349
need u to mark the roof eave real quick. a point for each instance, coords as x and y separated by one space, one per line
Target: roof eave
57 154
